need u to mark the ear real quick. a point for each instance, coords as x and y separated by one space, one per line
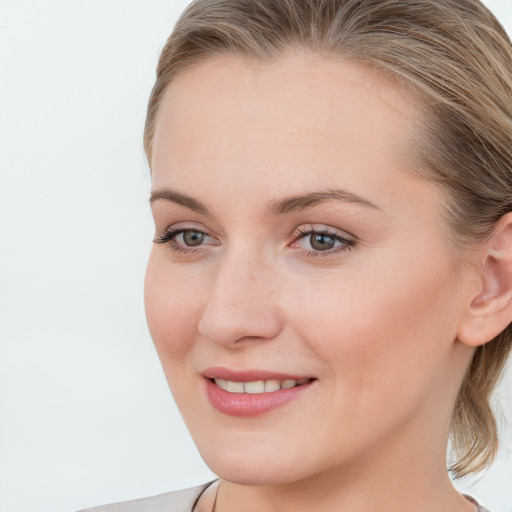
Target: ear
490 311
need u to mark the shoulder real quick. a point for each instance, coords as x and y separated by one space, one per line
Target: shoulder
480 508
177 501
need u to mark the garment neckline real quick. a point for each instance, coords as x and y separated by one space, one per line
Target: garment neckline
209 484
203 490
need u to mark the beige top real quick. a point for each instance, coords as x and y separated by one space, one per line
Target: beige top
180 501
177 501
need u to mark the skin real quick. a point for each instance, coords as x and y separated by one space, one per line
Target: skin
375 322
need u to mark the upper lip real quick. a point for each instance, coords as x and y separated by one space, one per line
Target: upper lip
249 375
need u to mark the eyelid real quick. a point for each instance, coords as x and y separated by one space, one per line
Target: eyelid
307 229
346 240
168 237
343 240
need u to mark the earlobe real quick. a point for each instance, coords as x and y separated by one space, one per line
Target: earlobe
490 311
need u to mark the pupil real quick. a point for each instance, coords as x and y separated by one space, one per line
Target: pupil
321 242
192 238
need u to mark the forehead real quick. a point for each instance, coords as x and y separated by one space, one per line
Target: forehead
284 119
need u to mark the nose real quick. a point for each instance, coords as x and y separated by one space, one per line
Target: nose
241 305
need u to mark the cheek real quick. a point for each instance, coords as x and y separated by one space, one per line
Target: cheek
375 329
173 308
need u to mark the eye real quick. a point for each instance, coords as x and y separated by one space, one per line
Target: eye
191 238
185 240
318 240
321 241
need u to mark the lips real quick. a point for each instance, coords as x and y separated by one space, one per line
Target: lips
259 386
252 392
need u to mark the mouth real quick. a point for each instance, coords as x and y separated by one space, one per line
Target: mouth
259 386
253 393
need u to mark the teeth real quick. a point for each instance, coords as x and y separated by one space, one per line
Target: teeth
222 383
259 386
272 385
288 384
235 387
254 387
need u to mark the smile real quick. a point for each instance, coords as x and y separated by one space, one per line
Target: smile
253 393
259 386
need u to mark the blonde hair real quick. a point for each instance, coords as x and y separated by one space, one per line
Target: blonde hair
458 57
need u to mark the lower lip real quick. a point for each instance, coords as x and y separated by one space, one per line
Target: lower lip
251 404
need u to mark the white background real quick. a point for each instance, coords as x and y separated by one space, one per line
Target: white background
85 414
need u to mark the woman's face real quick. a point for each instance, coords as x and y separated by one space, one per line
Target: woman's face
298 249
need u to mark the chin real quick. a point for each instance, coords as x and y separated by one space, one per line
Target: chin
249 474
253 466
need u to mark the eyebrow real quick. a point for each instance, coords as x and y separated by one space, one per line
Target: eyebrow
307 200
274 207
181 199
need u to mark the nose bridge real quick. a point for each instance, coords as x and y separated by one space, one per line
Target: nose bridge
238 267
241 302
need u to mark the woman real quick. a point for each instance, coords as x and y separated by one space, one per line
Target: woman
330 288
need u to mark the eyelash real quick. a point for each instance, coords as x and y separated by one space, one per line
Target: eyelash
168 238
346 244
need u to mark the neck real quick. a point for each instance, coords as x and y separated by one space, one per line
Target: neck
382 495
403 475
